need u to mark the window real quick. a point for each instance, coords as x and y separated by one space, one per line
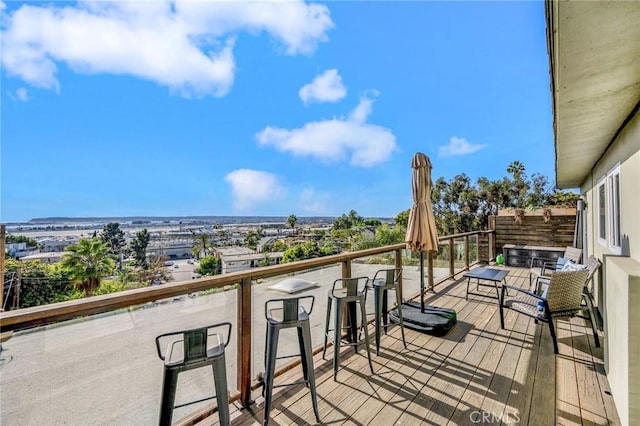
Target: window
602 208
613 179
608 189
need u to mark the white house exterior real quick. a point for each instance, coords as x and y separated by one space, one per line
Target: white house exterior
594 54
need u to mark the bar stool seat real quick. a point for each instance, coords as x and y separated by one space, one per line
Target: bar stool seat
346 293
200 348
383 281
281 314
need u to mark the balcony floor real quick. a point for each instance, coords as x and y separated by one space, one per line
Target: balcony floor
478 373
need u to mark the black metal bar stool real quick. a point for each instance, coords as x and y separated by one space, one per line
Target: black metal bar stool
384 280
280 314
200 347
349 292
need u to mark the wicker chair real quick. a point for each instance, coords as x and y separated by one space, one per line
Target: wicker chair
563 299
537 271
593 264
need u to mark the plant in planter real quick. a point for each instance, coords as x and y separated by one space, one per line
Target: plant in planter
518 215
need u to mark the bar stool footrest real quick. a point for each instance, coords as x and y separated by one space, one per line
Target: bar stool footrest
194 402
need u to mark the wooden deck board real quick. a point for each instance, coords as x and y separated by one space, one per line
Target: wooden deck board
567 401
512 374
402 384
592 406
410 408
517 408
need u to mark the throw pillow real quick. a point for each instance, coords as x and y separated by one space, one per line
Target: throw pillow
560 262
570 266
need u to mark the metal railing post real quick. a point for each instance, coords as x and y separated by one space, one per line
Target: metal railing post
466 251
492 238
430 271
399 268
452 268
244 341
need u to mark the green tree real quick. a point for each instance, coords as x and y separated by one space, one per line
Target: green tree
252 238
156 272
519 185
306 250
387 235
201 245
87 262
40 283
277 245
16 239
348 221
292 221
402 219
265 261
139 246
113 237
461 206
538 193
210 265
455 205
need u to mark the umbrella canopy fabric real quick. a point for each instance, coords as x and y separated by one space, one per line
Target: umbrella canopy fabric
422 234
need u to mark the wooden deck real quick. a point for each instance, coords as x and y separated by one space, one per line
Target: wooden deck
477 374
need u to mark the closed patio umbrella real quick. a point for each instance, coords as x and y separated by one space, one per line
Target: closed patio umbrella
422 235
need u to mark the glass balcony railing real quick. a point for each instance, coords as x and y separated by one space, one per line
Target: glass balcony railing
93 360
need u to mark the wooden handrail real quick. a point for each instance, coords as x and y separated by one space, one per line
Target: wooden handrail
57 312
61 311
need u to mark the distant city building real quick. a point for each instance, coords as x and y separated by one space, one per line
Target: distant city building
50 257
242 262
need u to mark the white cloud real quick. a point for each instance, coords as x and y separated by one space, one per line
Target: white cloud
252 187
313 202
458 146
326 87
21 94
364 109
184 45
364 145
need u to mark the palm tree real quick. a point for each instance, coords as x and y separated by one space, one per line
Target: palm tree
201 245
516 169
87 262
292 221
520 185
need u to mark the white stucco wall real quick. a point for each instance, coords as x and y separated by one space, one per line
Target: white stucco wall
622 336
617 290
625 151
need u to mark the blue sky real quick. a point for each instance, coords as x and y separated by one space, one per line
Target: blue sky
236 108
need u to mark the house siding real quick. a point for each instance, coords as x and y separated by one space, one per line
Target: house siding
617 289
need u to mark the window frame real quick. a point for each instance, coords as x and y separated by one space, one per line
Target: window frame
602 203
614 234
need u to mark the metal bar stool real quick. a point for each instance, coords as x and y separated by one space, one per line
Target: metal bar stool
349 292
384 280
200 347
280 314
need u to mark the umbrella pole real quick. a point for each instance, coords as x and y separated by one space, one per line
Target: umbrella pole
422 282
